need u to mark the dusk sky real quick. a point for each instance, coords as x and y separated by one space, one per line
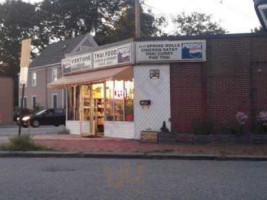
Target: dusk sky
236 16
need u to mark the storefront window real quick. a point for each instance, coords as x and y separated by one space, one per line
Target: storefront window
73 103
129 104
85 115
119 100
109 100
92 102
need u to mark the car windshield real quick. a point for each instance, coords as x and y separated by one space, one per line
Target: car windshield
40 112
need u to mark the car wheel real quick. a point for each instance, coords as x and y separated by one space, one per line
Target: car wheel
35 123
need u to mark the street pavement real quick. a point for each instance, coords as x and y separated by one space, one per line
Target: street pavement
108 179
13 130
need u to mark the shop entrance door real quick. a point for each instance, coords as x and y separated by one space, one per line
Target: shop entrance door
98 110
86 110
92 110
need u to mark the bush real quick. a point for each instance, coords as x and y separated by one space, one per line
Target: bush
203 127
23 143
64 131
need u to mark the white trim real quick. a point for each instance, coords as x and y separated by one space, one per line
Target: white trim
63 99
35 101
33 84
54 94
86 37
25 97
261 8
52 74
45 66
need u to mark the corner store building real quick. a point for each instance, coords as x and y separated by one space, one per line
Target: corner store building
182 79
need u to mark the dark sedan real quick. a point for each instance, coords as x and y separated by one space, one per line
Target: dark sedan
54 117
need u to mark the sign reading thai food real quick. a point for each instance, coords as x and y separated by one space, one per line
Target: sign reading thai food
77 63
170 51
113 56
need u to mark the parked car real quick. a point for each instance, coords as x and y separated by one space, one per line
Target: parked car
54 117
25 112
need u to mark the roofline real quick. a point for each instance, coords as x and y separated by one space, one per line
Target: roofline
86 36
44 66
204 37
97 48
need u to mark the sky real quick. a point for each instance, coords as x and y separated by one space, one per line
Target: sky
236 16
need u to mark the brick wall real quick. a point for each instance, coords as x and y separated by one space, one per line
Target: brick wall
6 101
233 79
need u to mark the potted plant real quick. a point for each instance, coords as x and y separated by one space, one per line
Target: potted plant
129 112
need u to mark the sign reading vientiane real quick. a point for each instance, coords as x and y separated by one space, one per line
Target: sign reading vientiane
77 63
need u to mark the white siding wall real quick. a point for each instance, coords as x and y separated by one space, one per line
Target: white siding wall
158 91
119 129
74 127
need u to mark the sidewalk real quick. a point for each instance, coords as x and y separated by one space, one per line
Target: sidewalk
71 143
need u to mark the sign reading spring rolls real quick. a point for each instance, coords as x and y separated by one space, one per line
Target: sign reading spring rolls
171 51
113 56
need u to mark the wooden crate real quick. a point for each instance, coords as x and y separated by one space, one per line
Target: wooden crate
149 137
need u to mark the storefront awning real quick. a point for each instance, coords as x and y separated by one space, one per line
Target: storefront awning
120 73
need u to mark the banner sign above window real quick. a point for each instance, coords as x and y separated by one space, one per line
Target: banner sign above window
77 63
114 56
171 51
119 55
139 52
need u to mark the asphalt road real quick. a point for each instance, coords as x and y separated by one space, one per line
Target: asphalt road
111 179
13 130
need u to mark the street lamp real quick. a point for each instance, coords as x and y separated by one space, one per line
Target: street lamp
261 10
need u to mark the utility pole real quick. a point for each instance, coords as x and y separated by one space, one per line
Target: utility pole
137 19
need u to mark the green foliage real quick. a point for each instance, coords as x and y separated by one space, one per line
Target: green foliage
203 127
23 143
17 22
64 131
124 26
197 24
232 128
258 30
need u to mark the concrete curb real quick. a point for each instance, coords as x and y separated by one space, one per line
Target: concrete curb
158 156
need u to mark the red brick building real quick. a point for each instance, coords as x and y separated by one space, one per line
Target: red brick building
189 83
6 100
233 79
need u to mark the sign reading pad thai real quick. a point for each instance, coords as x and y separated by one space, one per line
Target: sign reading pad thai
170 51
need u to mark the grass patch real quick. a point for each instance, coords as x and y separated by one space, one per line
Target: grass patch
22 143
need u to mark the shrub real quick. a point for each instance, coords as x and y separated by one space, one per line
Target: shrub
23 143
203 127
64 131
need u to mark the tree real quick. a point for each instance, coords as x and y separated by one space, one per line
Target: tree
64 19
109 20
197 24
124 26
258 30
17 22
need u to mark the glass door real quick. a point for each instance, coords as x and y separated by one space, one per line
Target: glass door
98 109
85 110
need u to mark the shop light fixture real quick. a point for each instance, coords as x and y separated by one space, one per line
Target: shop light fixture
261 10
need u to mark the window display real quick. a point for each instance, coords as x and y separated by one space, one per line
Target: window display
110 101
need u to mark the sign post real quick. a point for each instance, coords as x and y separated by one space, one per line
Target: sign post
24 65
